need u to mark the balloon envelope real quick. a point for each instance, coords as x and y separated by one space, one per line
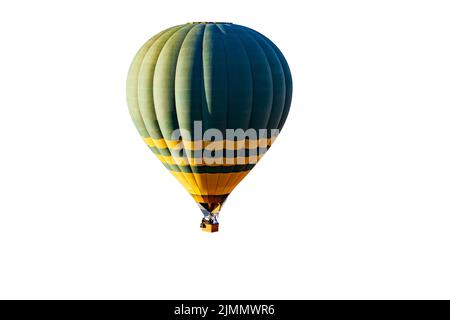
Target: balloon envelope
209 100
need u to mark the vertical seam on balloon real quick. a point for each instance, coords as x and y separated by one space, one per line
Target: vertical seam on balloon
258 39
283 76
233 177
276 51
253 82
287 75
287 103
156 114
153 40
251 72
188 159
228 170
136 92
202 86
202 91
270 68
156 152
140 70
228 97
176 113
251 112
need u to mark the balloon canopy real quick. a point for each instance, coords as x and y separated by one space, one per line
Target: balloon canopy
209 99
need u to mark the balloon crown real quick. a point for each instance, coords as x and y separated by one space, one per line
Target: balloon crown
210 22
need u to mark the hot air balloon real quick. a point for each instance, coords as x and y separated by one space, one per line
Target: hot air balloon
209 98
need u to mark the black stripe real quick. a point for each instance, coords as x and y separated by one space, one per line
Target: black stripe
206 169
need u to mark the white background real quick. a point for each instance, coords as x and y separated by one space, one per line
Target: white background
351 202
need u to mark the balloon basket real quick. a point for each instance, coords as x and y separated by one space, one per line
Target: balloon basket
208 227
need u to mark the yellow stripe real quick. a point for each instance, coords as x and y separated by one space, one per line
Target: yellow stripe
211 145
216 162
149 142
198 183
162 143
